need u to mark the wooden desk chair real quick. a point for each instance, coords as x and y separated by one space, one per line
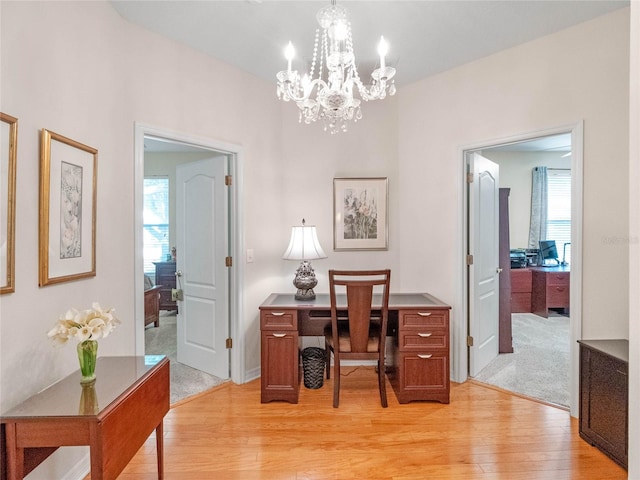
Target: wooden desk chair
360 336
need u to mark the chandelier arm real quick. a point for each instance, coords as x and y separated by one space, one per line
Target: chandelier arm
289 89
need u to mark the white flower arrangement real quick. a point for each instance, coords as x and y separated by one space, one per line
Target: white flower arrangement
90 324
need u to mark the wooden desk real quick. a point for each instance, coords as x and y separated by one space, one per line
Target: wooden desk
114 417
550 289
418 356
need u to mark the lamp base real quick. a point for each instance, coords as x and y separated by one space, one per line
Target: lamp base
304 281
305 294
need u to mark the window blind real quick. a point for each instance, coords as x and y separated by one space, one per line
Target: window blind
559 211
155 222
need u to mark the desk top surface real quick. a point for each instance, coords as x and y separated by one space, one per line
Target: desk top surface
68 398
553 269
322 302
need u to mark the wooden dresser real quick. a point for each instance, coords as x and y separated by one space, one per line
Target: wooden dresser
166 280
521 283
550 289
604 396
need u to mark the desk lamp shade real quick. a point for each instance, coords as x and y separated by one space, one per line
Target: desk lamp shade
304 245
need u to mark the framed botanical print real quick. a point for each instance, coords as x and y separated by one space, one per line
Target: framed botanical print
360 213
8 164
68 171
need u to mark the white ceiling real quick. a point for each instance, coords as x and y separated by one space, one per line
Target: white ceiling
426 37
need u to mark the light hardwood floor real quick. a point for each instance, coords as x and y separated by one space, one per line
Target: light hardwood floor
482 434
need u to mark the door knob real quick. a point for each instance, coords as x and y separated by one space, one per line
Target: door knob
179 273
499 270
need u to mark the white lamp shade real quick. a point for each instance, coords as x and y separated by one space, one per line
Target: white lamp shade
304 244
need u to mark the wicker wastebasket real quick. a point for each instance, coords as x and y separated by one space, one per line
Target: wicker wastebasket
313 366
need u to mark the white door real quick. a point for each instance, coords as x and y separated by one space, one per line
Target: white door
484 291
202 246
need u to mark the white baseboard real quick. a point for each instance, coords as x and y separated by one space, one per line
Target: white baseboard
80 470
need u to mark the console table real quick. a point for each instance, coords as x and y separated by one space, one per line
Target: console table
113 416
418 359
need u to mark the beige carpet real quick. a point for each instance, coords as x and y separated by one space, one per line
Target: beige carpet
185 381
539 365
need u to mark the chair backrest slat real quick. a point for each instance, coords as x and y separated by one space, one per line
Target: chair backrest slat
359 291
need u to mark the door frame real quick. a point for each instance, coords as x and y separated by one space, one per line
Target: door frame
460 349
236 272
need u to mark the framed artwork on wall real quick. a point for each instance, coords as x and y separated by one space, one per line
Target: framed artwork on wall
68 171
360 208
8 159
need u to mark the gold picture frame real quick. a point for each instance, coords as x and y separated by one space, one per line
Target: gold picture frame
360 218
8 165
68 193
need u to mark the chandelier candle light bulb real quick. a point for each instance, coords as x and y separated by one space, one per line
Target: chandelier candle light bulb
289 53
383 49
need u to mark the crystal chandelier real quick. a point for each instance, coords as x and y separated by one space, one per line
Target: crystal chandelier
330 95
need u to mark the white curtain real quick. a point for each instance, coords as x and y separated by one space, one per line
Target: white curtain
538 225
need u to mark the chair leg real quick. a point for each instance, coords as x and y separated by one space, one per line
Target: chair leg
336 379
382 386
327 359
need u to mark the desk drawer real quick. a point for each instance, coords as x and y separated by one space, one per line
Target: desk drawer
278 319
420 318
520 281
423 340
561 279
557 296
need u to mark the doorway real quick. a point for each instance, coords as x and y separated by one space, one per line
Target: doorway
536 142
232 153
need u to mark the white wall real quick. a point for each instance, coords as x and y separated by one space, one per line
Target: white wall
80 70
580 73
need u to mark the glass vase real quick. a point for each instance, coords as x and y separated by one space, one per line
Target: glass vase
87 354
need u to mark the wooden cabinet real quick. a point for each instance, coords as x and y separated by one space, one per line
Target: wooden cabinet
521 284
549 289
604 402
152 306
279 358
166 280
420 355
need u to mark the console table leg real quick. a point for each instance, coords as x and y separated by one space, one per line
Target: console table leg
15 455
160 450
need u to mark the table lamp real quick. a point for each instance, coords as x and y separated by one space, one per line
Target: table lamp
304 245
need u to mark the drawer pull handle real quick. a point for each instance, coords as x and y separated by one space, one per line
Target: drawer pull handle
424 335
424 355
279 335
424 314
277 314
